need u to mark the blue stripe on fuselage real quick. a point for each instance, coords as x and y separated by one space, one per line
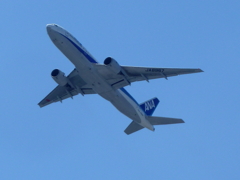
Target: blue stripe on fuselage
125 92
81 50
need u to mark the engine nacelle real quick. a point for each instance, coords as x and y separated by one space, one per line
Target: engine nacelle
113 65
59 77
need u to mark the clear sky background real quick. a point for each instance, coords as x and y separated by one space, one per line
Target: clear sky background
83 138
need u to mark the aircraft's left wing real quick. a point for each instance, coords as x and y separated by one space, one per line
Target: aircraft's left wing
63 92
133 74
147 73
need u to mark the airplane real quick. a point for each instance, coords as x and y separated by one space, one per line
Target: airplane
108 80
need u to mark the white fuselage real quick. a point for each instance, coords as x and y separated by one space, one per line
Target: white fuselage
86 67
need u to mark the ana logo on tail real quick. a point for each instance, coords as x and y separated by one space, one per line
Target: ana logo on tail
149 105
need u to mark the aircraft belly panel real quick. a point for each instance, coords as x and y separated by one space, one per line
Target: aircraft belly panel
71 52
125 106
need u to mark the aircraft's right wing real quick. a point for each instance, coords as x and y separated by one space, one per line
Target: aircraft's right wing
63 92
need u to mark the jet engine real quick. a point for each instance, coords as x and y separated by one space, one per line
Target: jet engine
113 65
116 68
59 77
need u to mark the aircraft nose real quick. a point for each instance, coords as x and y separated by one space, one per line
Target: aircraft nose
49 28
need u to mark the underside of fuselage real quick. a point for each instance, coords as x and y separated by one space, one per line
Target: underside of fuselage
108 80
85 65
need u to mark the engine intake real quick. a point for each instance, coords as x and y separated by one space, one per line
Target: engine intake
59 77
55 72
107 60
113 65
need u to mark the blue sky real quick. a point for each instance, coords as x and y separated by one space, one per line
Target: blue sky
83 138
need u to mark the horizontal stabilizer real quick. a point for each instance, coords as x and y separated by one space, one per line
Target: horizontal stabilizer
133 127
163 120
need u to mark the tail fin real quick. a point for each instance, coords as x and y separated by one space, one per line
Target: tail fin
163 120
149 106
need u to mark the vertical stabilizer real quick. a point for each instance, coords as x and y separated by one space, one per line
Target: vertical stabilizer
149 106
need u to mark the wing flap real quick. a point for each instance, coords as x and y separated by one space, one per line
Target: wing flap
60 93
